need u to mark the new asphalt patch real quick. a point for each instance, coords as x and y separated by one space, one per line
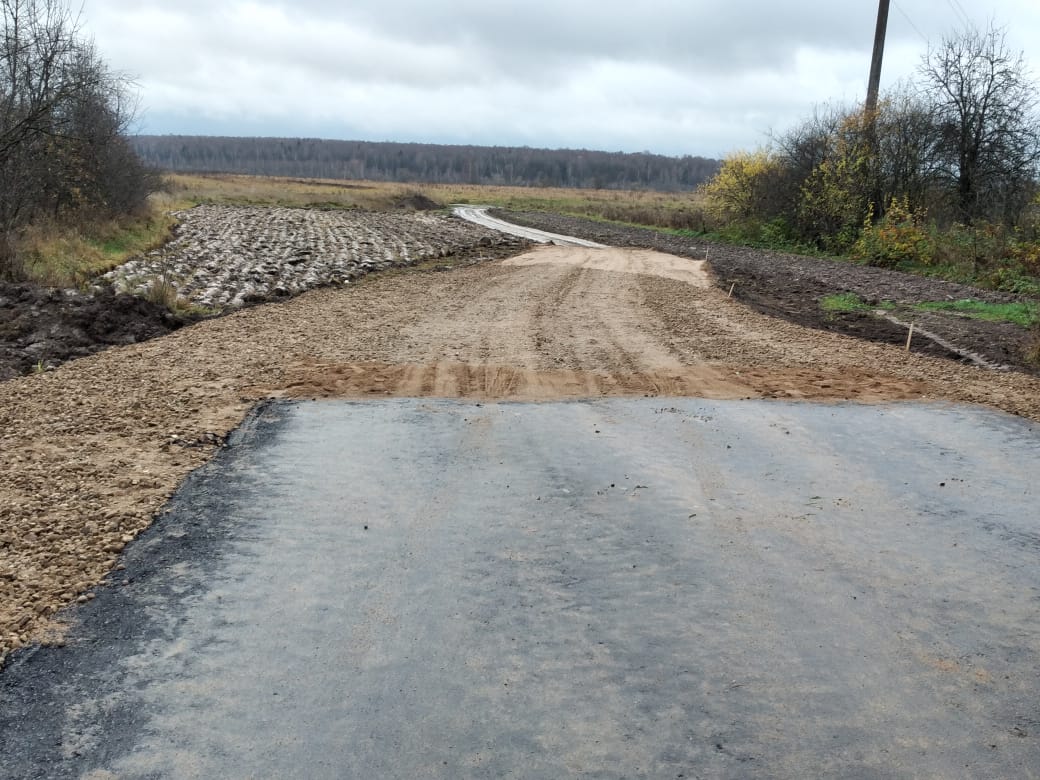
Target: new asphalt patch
616 588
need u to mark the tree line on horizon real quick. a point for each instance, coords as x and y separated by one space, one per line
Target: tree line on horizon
424 163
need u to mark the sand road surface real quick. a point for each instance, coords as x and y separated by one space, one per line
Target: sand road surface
627 261
91 451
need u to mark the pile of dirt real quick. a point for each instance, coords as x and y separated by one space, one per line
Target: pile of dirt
41 328
417 202
791 287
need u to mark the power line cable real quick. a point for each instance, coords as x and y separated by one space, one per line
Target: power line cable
910 21
958 9
967 16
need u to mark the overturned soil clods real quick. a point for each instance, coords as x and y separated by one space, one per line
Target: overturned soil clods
222 258
41 327
225 257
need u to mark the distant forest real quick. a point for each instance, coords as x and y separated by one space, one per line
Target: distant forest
428 163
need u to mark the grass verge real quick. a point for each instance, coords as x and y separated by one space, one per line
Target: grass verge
69 256
1025 314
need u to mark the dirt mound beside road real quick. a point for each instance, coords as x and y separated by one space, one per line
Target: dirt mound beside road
42 328
417 202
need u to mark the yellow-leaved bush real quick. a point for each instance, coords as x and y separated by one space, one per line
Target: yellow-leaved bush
901 236
741 187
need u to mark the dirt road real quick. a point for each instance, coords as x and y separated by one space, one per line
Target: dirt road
92 450
792 287
563 322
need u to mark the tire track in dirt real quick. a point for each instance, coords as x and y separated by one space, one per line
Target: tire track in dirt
595 319
536 327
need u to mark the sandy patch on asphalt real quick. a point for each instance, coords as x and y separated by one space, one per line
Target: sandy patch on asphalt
315 379
90 452
626 261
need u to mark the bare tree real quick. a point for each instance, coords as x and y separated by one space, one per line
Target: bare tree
909 162
844 163
63 123
984 103
801 150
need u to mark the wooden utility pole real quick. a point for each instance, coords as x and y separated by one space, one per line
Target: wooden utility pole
874 86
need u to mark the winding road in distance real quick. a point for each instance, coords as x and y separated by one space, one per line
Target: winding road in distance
480 216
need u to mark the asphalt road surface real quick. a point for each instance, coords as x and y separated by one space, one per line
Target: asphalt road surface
606 589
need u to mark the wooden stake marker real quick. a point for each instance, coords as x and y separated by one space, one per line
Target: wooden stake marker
910 336
732 287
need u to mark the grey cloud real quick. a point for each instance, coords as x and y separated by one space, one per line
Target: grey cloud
665 75
518 38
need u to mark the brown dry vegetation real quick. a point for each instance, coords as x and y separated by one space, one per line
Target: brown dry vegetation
651 208
70 256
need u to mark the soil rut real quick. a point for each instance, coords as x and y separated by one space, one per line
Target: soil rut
91 451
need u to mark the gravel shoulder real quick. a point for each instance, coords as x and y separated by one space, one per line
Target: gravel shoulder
92 450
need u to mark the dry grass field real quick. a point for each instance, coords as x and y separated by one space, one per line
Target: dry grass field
640 207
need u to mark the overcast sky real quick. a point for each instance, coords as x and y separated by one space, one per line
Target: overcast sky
669 76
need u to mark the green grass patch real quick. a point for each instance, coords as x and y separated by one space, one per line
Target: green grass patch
1025 314
844 302
119 241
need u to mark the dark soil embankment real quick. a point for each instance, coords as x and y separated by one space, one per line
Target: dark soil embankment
41 328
